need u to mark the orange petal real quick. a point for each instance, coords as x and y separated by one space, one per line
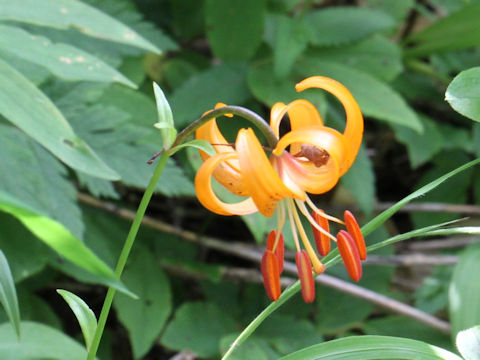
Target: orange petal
208 198
271 275
321 240
263 183
279 249
219 105
354 230
301 113
349 252
354 119
304 268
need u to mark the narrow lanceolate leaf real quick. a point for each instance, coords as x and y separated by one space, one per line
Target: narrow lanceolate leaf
454 32
85 316
22 103
463 93
65 61
468 343
8 294
372 347
64 14
165 118
59 239
464 292
385 215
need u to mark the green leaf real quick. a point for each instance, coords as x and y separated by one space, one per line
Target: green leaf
64 14
464 292
224 83
63 60
29 109
203 145
34 176
251 349
38 342
145 317
360 181
8 294
60 239
85 316
454 32
463 93
421 147
340 25
377 55
291 39
468 343
386 214
165 118
198 327
372 347
234 27
376 98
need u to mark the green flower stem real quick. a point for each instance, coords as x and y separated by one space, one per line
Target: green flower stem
249 115
127 247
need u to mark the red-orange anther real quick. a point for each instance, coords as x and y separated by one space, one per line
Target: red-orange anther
279 250
321 240
349 252
271 275
354 230
304 267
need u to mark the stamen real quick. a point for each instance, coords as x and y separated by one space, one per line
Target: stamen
303 209
280 222
349 253
354 230
318 267
322 213
322 241
292 225
271 275
277 240
304 268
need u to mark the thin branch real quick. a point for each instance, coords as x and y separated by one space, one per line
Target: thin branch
240 250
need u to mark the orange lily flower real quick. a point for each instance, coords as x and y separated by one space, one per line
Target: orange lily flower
310 158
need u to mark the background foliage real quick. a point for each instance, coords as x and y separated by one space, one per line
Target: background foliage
76 123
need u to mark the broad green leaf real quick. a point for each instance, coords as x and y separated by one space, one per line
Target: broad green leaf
145 317
372 347
85 316
8 294
38 342
224 83
203 145
360 181
198 327
34 176
464 292
454 32
35 73
64 14
165 118
60 239
468 343
377 55
29 109
421 147
63 60
291 39
340 25
376 98
385 215
398 9
463 93
234 27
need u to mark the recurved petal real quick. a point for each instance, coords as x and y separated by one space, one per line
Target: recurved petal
263 183
208 198
301 113
354 119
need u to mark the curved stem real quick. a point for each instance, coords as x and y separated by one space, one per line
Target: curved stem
249 115
127 247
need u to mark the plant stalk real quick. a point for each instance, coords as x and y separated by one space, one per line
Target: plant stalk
127 247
